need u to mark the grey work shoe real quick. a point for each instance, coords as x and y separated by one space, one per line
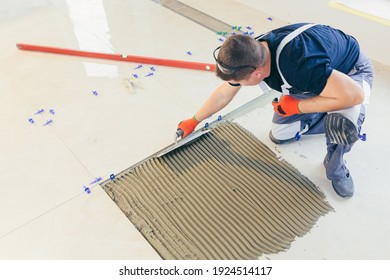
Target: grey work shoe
344 187
340 130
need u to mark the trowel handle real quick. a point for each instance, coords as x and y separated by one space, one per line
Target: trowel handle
179 132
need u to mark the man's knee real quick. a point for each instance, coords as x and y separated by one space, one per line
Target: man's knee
284 133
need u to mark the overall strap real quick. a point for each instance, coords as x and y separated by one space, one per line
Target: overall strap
284 42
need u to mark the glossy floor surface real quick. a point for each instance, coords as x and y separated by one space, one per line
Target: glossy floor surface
96 123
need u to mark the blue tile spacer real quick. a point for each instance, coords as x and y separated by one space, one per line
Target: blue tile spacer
96 180
363 136
39 112
48 122
87 190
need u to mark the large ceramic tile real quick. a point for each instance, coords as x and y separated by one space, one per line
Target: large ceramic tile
85 227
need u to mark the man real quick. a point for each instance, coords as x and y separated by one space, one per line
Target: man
324 78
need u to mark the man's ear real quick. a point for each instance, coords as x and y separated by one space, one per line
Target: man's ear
257 73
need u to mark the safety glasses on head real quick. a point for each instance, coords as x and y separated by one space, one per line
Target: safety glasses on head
228 70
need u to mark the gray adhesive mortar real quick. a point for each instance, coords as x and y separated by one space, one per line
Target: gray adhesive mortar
225 196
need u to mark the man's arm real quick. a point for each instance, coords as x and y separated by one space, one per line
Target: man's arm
340 92
217 100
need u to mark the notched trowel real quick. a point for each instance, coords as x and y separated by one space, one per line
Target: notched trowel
183 141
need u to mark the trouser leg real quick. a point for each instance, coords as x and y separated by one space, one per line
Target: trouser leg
334 160
285 129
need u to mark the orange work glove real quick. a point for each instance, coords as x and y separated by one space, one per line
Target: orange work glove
286 106
186 127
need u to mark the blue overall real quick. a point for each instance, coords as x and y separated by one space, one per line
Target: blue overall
285 129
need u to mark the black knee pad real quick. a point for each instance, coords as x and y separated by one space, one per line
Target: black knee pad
340 130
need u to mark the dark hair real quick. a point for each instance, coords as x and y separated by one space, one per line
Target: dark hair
242 52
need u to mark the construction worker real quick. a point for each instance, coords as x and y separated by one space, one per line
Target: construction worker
325 82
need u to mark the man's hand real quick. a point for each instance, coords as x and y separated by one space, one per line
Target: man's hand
286 106
186 127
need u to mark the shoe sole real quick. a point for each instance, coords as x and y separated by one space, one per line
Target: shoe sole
340 130
279 142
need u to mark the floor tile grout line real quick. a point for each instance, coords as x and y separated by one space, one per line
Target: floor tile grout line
39 216
55 132
62 203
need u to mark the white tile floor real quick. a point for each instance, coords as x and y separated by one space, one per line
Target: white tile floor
44 211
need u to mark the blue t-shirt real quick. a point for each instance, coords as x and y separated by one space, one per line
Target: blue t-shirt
308 60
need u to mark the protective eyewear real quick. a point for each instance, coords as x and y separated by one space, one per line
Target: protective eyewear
228 70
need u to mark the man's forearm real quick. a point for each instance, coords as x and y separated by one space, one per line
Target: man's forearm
339 93
217 101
